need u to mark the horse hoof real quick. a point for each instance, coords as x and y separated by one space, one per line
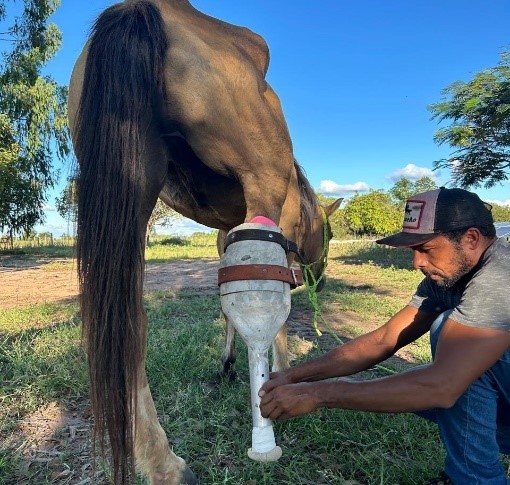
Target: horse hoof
189 478
230 375
228 367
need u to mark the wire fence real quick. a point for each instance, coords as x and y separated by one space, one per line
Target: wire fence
45 240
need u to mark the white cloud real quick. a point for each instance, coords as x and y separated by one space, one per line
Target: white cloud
412 172
328 187
183 227
180 227
499 202
56 229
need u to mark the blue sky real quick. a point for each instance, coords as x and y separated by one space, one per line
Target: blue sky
354 78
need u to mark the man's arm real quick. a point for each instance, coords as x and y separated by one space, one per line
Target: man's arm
360 353
462 355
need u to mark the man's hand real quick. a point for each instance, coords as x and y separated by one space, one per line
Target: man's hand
280 400
276 379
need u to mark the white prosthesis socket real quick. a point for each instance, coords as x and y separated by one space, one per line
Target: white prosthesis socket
257 309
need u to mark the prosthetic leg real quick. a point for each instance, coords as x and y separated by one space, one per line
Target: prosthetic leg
255 296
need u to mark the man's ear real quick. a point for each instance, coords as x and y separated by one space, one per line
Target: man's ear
472 238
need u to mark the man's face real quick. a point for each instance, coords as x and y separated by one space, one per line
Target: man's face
444 261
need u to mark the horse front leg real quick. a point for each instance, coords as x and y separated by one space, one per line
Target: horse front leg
280 350
152 452
228 357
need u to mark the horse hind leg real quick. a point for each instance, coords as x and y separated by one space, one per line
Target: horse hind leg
152 452
153 455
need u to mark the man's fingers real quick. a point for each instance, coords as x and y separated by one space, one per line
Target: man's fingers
266 387
271 407
264 398
269 410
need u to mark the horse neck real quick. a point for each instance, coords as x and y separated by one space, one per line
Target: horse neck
311 217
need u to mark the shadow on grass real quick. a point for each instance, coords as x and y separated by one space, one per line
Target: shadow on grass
44 421
336 286
382 256
20 262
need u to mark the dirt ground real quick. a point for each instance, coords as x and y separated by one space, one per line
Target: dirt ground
31 282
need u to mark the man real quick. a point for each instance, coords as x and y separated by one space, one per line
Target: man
464 302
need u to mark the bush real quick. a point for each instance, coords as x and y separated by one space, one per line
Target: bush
174 241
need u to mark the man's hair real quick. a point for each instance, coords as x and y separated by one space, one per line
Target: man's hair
455 236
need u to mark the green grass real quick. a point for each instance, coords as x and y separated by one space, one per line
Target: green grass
208 418
36 253
210 422
40 356
198 245
160 248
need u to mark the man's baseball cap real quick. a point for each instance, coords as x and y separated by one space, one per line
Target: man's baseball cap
434 212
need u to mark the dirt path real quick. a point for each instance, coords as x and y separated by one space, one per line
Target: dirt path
43 281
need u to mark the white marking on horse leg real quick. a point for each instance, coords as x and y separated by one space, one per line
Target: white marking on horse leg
280 352
152 452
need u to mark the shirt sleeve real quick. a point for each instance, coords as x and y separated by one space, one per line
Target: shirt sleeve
427 299
485 301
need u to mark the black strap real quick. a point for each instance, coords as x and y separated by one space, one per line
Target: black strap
261 235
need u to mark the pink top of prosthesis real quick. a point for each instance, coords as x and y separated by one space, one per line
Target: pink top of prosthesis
263 220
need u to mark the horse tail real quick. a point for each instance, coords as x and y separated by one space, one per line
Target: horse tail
123 74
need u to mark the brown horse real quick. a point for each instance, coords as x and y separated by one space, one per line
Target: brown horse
312 237
166 101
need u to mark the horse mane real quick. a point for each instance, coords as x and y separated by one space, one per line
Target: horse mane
309 203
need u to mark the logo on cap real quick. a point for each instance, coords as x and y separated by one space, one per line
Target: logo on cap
413 214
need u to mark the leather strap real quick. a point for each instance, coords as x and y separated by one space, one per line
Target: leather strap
261 235
293 276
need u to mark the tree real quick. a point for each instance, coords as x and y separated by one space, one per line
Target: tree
67 203
405 188
162 215
373 214
500 213
33 120
479 130
424 184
